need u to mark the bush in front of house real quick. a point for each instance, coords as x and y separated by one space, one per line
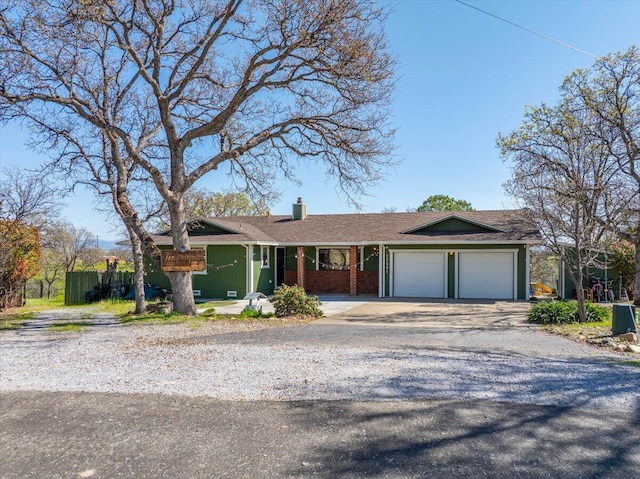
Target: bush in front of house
293 301
565 312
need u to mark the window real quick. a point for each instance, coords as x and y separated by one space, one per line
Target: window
204 271
336 258
264 256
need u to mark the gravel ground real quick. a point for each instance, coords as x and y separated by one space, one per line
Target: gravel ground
246 361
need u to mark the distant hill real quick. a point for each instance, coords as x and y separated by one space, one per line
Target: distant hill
107 245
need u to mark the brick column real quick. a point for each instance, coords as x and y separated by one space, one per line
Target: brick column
300 265
353 271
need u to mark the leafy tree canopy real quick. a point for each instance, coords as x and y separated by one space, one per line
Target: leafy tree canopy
444 203
200 203
20 251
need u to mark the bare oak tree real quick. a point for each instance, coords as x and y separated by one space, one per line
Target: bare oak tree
180 88
561 174
64 246
27 196
610 92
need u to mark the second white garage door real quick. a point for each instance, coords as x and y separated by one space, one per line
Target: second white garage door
419 274
486 275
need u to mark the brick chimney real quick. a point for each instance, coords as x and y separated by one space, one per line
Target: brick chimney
299 210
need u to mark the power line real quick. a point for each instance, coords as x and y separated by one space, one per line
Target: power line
546 37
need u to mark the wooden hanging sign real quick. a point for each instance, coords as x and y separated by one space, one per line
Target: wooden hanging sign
174 260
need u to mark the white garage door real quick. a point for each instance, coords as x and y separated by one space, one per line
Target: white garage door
419 274
486 275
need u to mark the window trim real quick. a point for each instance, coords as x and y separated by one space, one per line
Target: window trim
206 265
262 263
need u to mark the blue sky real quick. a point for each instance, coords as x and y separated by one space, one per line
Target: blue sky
463 77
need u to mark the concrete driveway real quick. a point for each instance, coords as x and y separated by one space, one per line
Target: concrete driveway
331 304
432 313
458 314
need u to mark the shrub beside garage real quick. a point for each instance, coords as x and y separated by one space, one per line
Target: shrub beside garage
565 312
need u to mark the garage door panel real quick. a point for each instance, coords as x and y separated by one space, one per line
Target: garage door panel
419 274
484 275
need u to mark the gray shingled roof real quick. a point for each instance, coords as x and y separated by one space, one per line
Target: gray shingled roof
372 228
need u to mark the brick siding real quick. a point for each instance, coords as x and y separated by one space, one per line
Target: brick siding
334 281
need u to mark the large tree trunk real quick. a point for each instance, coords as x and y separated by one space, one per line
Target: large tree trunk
138 268
181 284
582 310
578 279
182 293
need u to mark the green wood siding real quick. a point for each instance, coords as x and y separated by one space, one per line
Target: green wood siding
309 260
451 275
202 229
611 273
290 258
370 258
454 224
207 229
264 278
226 271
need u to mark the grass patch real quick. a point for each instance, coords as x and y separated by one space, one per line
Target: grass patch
193 321
607 323
32 306
14 321
115 306
120 307
252 314
74 326
43 303
594 332
14 318
156 318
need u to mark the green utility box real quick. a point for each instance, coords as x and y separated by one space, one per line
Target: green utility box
624 319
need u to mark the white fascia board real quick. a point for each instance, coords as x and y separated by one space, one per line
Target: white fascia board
358 243
456 243
226 243
325 244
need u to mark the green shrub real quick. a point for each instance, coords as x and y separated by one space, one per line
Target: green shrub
565 312
595 313
552 312
293 301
